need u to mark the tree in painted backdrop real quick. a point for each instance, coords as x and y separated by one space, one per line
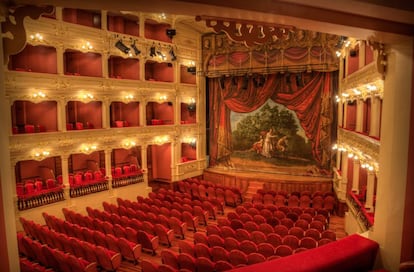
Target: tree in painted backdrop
282 121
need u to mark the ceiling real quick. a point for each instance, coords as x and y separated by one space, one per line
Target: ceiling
380 20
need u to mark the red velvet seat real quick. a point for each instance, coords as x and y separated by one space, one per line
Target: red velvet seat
202 250
186 261
165 235
186 247
248 246
215 240
237 257
242 234
108 259
148 241
308 242
223 266
204 264
149 266
283 250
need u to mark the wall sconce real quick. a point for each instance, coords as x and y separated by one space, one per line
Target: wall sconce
191 106
162 98
87 46
192 141
127 144
40 155
36 37
88 148
122 47
86 97
128 98
160 140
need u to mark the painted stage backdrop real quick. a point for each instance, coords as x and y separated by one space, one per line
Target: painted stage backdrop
279 126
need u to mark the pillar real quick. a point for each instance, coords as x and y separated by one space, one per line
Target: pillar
345 114
375 116
59 59
369 202
108 167
65 176
105 114
9 256
340 113
361 54
344 174
61 115
105 65
142 113
359 115
355 177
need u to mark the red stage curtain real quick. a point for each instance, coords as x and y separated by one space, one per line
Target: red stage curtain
311 102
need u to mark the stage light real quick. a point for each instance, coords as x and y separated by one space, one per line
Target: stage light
170 33
122 47
135 48
172 54
191 69
152 51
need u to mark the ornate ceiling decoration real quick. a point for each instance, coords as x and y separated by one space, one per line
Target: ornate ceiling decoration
248 32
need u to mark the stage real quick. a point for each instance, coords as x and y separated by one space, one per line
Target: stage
270 181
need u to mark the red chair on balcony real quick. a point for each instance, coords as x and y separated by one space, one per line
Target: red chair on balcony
29 128
79 126
29 188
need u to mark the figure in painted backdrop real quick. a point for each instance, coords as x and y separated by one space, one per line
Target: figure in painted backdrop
268 147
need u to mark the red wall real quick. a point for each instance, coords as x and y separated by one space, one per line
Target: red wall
350 116
80 161
369 55
156 31
123 68
122 25
90 112
84 64
353 62
126 156
159 71
163 111
31 168
161 161
82 17
40 59
186 77
186 115
188 152
43 113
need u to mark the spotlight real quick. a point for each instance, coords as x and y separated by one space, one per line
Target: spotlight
170 33
191 69
136 50
172 54
152 51
121 46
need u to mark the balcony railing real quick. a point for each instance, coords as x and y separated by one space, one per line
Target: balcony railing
363 216
89 187
127 179
40 198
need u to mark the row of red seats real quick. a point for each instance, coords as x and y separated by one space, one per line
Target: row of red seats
173 199
120 214
32 188
125 171
202 189
52 257
297 193
128 250
126 228
261 233
303 221
81 247
86 178
303 201
27 265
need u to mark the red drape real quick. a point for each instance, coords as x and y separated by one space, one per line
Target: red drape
311 102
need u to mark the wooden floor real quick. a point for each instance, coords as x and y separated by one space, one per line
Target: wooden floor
336 224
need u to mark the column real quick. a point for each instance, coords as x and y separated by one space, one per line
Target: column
375 116
104 20
144 166
369 203
105 114
65 176
355 177
108 166
361 54
61 115
142 113
59 59
338 160
105 65
340 113
344 174
359 115
58 13
345 114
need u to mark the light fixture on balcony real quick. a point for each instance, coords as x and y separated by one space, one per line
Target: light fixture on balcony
86 97
36 37
128 98
191 106
160 140
40 155
172 54
192 141
88 148
127 144
162 98
87 46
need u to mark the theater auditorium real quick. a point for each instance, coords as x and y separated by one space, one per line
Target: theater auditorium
206 135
